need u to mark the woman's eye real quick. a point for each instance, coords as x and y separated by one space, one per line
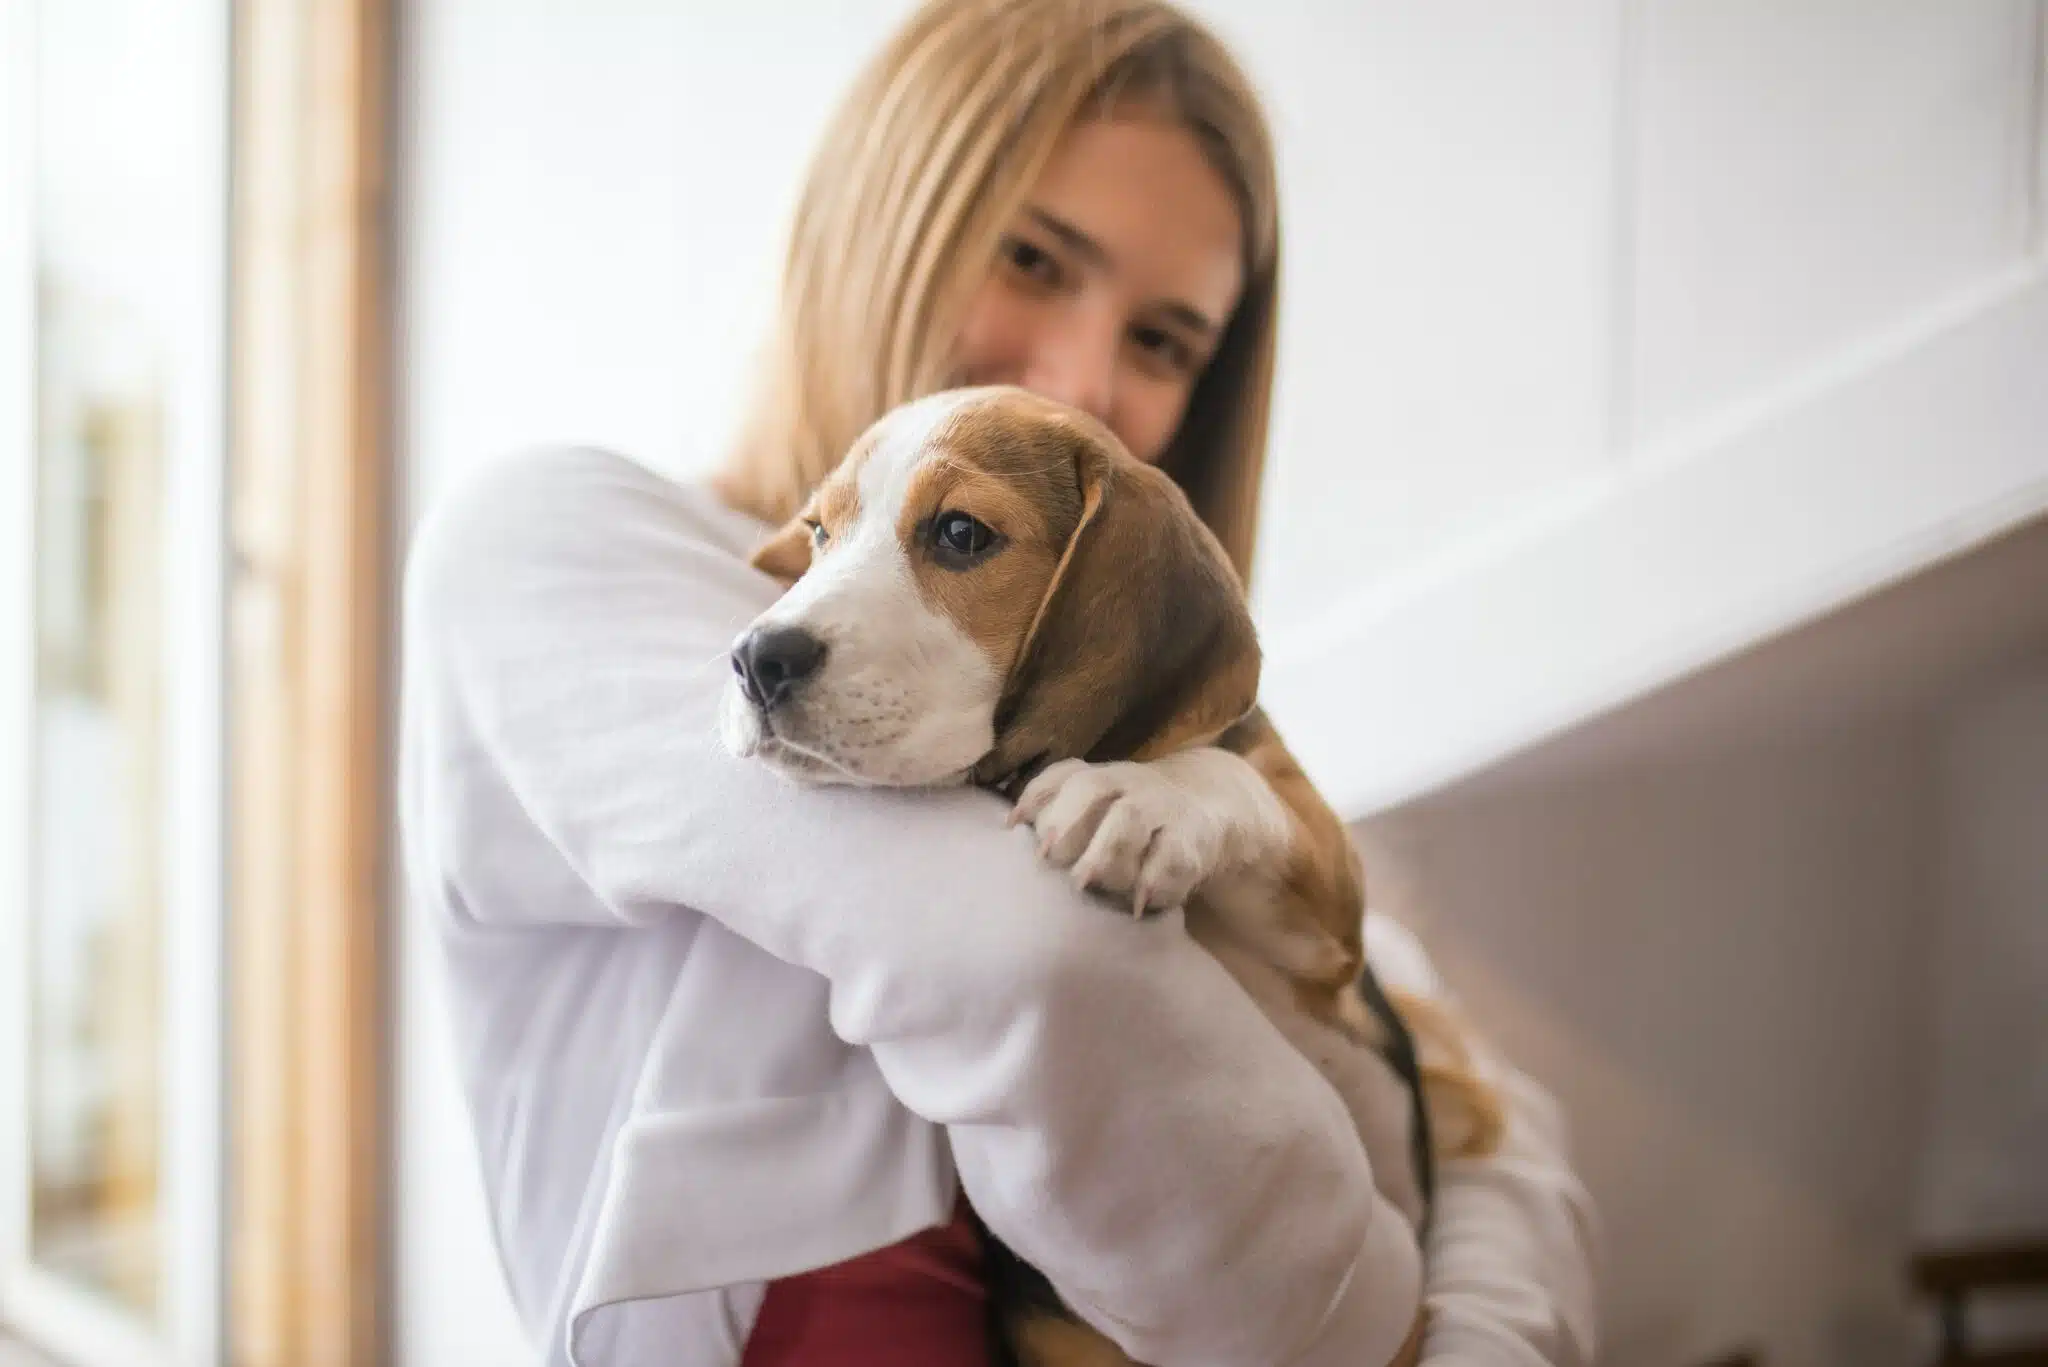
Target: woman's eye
1166 348
1031 261
959 535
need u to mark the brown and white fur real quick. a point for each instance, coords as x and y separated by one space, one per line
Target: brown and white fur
1081 642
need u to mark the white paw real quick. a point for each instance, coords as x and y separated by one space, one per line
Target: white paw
1125 829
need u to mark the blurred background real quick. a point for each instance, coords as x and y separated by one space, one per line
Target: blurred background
1655 569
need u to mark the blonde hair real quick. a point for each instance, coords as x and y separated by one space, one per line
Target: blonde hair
930 156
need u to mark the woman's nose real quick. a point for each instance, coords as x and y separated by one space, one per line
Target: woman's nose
1076 365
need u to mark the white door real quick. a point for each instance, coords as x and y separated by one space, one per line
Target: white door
113 200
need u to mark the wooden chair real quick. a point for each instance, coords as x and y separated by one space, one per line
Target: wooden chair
1950 1276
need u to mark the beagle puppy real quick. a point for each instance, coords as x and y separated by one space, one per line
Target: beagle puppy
990 589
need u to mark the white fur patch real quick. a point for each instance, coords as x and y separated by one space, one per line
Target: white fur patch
905 697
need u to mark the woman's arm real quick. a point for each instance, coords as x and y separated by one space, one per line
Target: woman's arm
1120 1113
1509 1276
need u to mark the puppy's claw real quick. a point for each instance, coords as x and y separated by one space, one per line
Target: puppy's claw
1039 793
1142 893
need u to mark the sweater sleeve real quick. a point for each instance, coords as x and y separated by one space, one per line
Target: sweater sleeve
1121 1114
1509 1278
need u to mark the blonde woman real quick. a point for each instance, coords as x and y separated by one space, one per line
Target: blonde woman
735 1050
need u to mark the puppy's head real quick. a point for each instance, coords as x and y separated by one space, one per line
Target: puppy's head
988 583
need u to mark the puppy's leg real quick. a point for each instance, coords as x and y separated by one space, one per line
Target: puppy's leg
1323 897
1238 827
1237 821
1311 888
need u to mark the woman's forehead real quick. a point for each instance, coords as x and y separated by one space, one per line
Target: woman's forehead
1142 190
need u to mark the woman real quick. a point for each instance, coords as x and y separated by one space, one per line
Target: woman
734 1050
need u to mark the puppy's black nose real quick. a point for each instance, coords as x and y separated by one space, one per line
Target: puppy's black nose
772 661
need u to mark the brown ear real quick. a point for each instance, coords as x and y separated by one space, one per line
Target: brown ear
1143 643
787 554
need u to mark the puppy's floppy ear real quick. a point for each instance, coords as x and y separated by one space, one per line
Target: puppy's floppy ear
787 554
1143 643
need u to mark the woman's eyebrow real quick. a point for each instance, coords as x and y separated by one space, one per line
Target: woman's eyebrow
1189 317
1076 241
1093 252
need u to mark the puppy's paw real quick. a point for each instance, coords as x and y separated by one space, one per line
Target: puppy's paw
1129 830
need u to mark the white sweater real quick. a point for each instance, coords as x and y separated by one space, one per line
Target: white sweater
716 1028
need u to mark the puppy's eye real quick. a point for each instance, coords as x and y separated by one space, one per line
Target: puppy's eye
958 537
819 536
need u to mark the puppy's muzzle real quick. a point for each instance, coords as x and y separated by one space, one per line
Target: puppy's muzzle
773 662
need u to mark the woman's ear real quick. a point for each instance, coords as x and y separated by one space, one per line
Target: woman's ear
1143 643
787 554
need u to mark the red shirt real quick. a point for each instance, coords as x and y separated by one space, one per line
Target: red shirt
919 1303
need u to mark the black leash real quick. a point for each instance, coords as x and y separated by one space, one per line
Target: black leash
1401 1053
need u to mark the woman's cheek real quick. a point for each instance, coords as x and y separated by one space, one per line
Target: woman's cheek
1151 415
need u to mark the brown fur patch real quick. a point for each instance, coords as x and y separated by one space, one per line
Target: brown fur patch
837 505
1008 463
833 505
1323 881
1467 1116
1322 886
1410 1351
1043 1341
1141 643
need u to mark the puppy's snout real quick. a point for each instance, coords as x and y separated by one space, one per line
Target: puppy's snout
772 661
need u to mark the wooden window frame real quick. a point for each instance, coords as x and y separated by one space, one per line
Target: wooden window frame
311 479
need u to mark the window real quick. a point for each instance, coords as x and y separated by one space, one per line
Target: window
192 645
112 253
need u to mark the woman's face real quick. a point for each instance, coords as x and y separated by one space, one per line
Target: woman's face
1113 284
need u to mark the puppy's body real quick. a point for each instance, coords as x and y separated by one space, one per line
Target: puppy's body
1234 832
991 590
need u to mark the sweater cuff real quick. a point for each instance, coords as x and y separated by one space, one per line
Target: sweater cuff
1378 1302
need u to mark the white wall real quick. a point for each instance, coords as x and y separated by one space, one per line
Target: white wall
1807 175
1815 235
1449 243
1720 968
596 198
